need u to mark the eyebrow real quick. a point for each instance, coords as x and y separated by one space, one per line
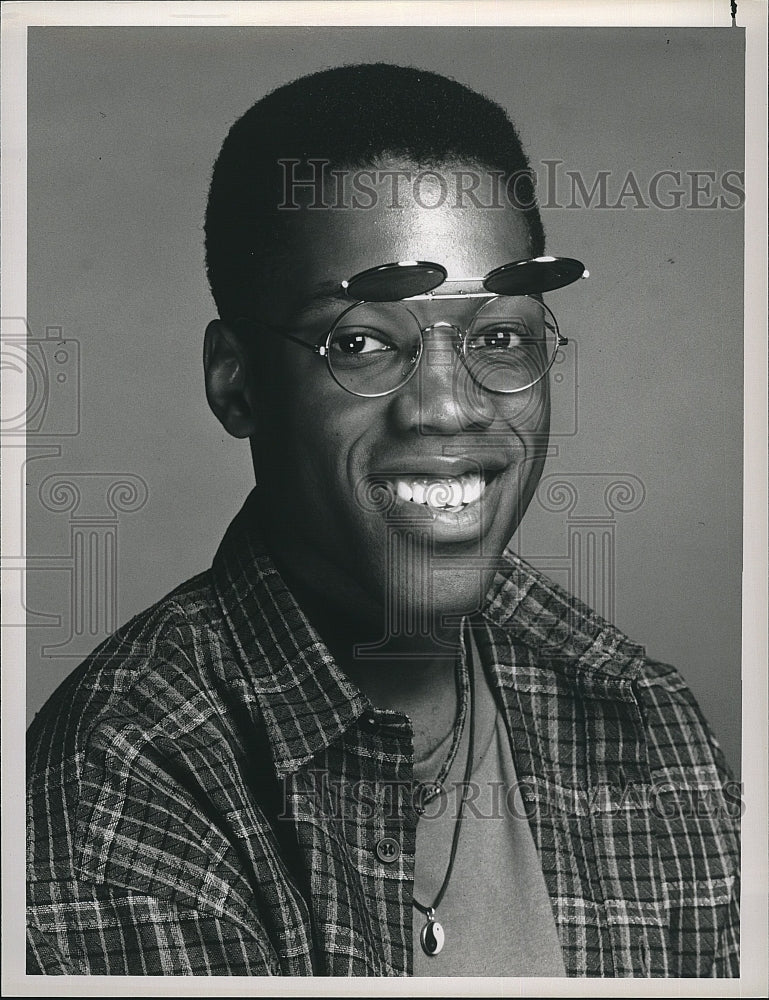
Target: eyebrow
324 291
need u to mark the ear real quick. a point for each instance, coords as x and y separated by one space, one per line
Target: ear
229 389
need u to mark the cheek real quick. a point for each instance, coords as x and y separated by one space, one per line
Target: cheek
306 431
526 413
527 416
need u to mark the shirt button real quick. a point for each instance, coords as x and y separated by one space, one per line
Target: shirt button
388 850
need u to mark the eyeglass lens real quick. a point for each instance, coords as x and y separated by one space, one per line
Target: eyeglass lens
375 347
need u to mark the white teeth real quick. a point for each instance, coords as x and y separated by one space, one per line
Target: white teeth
438 493
404 489
472 487
441 493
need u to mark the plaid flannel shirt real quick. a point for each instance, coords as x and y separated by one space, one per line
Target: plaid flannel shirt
182 821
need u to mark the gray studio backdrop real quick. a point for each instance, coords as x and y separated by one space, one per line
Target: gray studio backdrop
131 482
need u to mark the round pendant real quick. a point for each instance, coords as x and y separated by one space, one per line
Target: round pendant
432 937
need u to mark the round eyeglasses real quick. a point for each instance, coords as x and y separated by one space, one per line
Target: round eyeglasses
507 341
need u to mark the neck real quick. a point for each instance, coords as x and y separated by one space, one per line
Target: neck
415 675
419 682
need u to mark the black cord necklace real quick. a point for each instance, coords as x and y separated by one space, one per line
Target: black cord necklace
431 790
432 936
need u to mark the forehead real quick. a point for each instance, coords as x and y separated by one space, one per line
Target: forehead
426 219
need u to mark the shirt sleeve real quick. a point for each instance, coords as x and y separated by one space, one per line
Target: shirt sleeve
104 933
133 865
698 805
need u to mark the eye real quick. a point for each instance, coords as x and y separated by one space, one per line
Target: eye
498 336
353 343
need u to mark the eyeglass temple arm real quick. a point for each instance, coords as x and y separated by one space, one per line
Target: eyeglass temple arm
562 341
315 348
276 331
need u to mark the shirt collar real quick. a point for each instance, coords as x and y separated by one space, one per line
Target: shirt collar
538 612
306 700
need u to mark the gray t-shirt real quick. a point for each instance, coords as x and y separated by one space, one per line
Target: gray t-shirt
496 913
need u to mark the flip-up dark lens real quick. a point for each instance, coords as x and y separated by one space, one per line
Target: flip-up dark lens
391 282
526 277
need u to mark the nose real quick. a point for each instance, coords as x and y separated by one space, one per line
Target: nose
441 397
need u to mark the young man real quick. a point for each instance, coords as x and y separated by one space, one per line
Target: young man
371 740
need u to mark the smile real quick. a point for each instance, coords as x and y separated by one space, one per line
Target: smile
445 493
455 498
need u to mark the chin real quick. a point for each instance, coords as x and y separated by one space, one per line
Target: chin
438 599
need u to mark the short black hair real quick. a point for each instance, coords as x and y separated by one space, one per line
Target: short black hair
350 116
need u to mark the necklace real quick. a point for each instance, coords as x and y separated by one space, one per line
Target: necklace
430 791
432 936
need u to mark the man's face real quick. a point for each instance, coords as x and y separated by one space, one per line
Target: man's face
335 470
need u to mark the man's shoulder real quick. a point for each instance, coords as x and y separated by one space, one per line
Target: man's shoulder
164 656
679 737
144 770
602 663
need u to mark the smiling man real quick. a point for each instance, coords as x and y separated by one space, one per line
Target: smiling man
371 740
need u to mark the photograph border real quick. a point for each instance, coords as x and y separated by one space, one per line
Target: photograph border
752 15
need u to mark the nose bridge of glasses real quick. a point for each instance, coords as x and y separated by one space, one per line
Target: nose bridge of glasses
443 361
440 314
441 345
441 332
